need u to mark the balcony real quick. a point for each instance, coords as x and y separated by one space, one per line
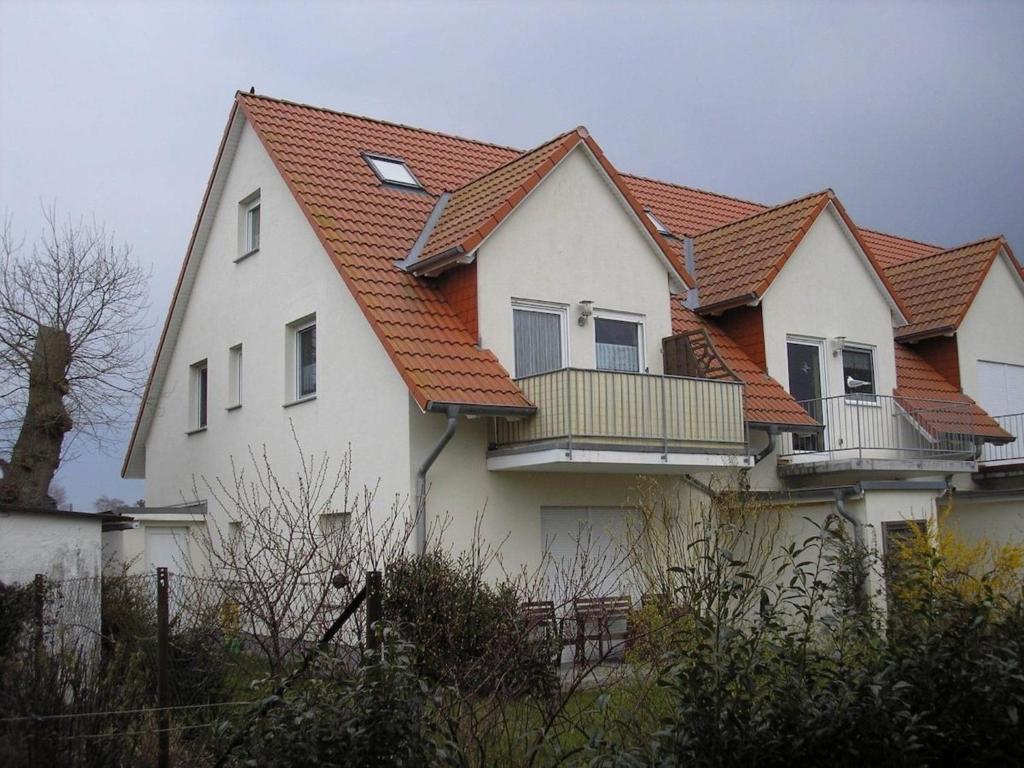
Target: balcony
1008 456
884 434
605 421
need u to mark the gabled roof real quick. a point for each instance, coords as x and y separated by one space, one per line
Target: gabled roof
940 287
366 226
737 262
463 219
919 385
688 211
765 400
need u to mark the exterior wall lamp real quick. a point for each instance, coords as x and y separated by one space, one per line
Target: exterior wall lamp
586 310
837 344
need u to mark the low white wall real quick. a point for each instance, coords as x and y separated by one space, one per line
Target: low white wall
58 546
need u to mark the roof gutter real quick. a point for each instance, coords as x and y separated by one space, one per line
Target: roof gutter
751 299
421 478
482 410
945 330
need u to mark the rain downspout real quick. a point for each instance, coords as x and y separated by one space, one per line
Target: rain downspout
452 412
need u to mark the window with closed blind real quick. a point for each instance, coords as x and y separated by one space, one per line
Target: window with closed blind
539 339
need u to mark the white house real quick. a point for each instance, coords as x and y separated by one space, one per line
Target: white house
530 332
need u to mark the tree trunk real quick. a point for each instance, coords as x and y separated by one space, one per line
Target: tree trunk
36 454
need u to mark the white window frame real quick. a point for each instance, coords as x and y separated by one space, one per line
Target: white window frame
297 330
551 308
373 159
852 398
246 247
659 225
821 344
196 422
625 317
236 373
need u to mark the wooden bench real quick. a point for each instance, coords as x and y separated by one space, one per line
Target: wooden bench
596 619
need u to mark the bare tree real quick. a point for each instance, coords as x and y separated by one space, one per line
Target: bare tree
285 555
108 503
71 319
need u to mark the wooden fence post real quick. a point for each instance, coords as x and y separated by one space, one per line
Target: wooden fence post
374 609
162 663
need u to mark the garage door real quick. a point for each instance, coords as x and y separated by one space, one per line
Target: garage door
165 546
1001 393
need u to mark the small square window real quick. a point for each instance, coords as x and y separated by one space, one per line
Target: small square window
858 374
393 171
305 361
198 395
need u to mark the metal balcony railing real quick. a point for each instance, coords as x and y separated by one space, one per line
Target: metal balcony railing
1008 453
611 410
885 427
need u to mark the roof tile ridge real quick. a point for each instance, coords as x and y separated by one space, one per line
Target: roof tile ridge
827 193
688 188
377 120
521 156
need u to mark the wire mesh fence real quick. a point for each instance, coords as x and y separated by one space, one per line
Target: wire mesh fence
81 663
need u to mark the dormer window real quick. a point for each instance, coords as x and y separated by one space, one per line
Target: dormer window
392 170
662 229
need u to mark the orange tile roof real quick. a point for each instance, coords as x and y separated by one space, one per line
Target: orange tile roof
889 249
687 211
919 386
366 226
737 262
940 287
476 209
765 400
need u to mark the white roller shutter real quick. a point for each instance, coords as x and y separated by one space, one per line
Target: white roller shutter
1001 393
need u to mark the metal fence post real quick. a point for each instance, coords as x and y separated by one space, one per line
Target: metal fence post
162 663
374 609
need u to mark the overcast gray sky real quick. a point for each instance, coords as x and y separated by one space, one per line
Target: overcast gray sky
913 113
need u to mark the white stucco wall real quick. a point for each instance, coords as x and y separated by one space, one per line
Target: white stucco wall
993 519
568 241
993 329
361 400
826 290
57 546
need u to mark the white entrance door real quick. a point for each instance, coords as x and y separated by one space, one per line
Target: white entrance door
1001 393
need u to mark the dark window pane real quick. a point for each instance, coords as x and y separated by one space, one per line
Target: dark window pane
202 396
538 341
858 374
805 386
618 345
307 361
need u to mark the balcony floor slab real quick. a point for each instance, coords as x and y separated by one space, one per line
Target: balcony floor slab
877 467
612 461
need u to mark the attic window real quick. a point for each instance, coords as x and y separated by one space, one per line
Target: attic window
392 170
662 229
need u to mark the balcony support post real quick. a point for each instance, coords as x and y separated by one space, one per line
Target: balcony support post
664 421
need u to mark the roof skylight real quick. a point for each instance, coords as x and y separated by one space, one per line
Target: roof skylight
662 229
391 170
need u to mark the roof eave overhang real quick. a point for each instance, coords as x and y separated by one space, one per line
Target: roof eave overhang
751 299
942 330
481 409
